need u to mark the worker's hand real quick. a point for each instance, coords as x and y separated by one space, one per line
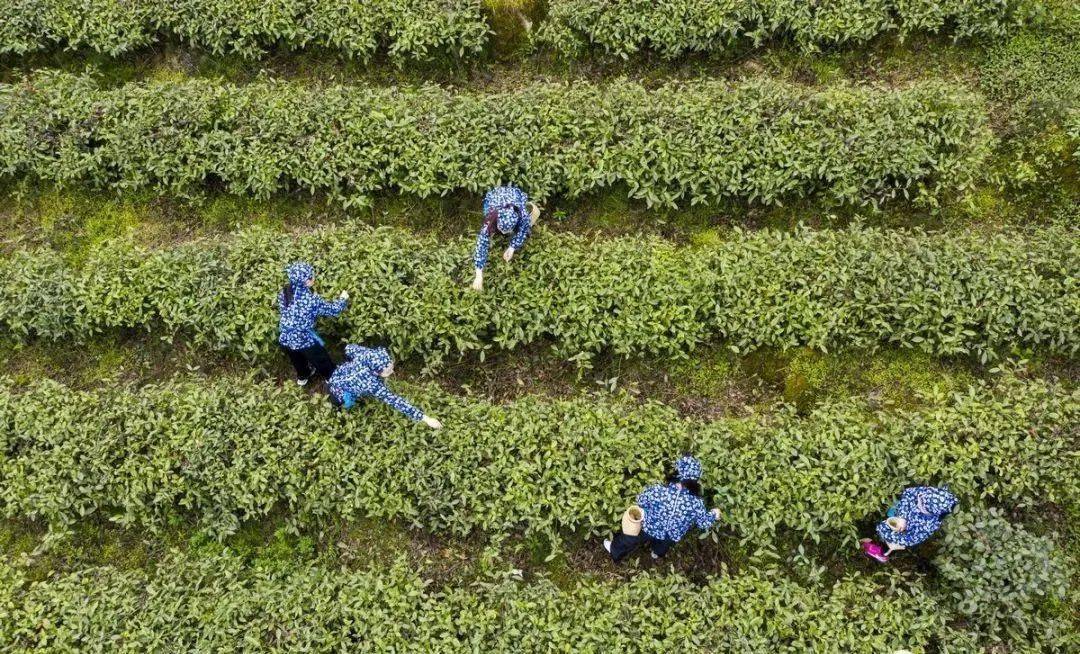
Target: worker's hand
508 255
432 422
534 213
715 513
344 295
478 281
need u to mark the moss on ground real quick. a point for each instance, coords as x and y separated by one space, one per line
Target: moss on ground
714 383
75 220
895 378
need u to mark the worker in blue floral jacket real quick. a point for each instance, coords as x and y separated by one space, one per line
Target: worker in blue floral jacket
506 210
299 307
362 375
670 509
912 520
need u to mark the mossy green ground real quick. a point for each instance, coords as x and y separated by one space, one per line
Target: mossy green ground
714 382
75 220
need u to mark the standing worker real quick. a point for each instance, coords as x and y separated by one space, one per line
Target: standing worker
506 209
669 509
300 306
912 520
362 375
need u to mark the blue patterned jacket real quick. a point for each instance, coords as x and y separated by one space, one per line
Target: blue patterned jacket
296 326
510 202
938 503
671 511
359 377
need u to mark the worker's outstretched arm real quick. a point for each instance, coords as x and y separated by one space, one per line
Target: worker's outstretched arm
396 402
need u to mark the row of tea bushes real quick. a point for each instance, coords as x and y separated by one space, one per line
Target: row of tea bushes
674 27
944 293
420 28
413 29
226 450
760 140
203 601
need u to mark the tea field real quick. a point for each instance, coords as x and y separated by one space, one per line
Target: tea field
832 248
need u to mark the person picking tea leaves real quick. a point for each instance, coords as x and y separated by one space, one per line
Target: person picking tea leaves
507 210
362 375
300 307
669 511
912 520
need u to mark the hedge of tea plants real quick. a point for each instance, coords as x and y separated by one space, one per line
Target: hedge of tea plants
404 28
623 27
999 573
219 602
1034 76
226 450
760 140
943 293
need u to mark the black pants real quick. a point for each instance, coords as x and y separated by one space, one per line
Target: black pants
315 357
622 545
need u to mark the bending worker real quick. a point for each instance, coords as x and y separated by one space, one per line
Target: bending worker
912 520
506 209
362 375
670 509
299 307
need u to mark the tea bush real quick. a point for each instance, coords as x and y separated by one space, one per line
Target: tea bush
999 574
674 27
404 28
1034 77
761 140
228 450
945 294
218 603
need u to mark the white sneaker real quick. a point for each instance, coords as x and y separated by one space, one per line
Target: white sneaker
607 545
653 555
301 382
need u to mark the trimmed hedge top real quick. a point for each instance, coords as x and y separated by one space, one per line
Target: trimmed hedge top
945 294
760 140
214 601
227 450
673 27
413 29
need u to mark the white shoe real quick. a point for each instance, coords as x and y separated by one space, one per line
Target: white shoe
653 555
607 545
301 382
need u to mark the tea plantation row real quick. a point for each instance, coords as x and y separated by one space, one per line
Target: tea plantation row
675 27
760 140
412 29
421 28
218 602
943 293
226 450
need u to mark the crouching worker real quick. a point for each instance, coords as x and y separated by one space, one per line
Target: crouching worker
506 209
299 307
362 375
909 522
669 510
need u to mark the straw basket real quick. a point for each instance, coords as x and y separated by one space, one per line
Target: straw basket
631 520
896 523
